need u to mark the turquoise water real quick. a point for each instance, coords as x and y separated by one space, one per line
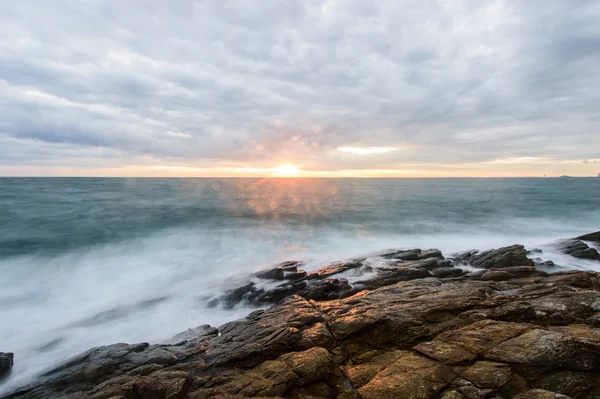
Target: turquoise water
146 250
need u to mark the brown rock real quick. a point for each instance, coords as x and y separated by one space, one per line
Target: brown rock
310 365
446 352
571 383
539 347
484 335
542 394
411 376
487 374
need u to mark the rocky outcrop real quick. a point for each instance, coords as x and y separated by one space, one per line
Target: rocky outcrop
528 333
328 282
578 249
502 332
6 363
515 255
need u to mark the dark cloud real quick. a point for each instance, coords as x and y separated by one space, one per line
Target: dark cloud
208 82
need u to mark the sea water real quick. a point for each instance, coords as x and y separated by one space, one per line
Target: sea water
93 261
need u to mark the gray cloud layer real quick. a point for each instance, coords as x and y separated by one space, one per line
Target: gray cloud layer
214 83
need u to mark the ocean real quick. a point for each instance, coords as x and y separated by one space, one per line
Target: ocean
93 261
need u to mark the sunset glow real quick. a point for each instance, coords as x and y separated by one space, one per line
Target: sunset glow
286 171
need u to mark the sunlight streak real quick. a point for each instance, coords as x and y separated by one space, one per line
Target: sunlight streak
366 150
286 170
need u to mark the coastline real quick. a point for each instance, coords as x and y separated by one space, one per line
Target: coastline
417 324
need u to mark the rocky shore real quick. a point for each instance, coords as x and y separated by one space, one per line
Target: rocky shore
411 324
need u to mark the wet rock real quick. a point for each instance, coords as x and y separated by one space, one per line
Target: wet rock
204 330
446 352
238 294
290 266
334 268
413 254
510 273
570 383
514 255
321 285
534 251
539 262
539 347
277 294
578 249
6 363
444 272
542 394
295 275
594 237
271 274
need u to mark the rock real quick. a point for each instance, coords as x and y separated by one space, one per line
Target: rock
508 273
204 330
295 275
290 266
321 284
413 254
271 274
334 268
594 237
411 376
539 347
514 255
487 375
443 272
310 365
6 363
237 295
539 262
542 394
445 352
570 383
578 249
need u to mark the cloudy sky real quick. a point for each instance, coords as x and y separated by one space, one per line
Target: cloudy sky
332 87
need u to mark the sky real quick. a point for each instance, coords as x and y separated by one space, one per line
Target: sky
344 88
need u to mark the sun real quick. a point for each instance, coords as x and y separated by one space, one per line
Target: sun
286 170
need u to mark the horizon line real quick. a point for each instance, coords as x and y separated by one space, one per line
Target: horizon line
294 177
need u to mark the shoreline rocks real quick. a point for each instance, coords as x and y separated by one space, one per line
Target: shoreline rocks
578 249
514 255
413 324
329 282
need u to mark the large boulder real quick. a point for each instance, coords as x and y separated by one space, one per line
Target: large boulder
514 255
6 363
